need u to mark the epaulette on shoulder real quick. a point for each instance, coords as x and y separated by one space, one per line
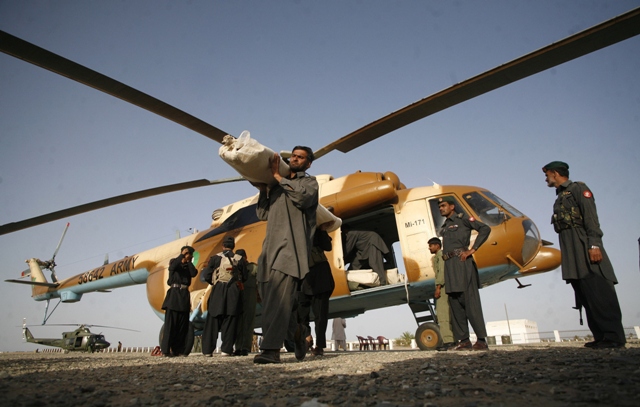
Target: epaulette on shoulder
460 215
581 185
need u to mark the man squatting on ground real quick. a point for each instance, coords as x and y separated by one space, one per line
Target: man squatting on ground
461 274
585 264
289 207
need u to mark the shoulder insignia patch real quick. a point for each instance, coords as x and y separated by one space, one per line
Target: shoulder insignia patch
472 219
587 194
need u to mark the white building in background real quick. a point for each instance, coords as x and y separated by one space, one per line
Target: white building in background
522 331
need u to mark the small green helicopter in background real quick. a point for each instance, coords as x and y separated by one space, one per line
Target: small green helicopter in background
78 340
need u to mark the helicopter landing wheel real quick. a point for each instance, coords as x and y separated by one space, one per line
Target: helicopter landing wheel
428 336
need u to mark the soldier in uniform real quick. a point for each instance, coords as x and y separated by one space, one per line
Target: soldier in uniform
585 264
442 299
461 274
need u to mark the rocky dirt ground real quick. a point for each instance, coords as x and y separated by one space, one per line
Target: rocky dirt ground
540 374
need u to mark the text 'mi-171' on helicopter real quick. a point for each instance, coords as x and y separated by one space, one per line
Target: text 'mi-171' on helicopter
405 217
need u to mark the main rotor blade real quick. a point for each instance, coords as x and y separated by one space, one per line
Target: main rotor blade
31 53
76 210
600 36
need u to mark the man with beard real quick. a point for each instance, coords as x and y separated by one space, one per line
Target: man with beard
289 207
585 264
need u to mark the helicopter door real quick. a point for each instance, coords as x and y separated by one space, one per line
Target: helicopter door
416 228
337 264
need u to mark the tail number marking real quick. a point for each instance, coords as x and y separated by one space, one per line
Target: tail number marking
119 267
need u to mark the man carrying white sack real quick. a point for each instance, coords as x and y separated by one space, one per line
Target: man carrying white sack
289 207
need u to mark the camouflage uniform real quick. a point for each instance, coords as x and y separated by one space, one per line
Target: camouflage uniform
575 219
442 303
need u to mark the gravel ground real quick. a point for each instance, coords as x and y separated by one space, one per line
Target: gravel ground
541 374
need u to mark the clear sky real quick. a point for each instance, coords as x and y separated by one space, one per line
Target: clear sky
303 72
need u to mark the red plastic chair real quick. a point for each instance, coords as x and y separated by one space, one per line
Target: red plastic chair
373 342
364 343
383 343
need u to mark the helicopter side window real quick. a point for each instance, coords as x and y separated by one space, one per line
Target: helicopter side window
438 220
486 210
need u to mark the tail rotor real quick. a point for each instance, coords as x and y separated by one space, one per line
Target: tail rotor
51 264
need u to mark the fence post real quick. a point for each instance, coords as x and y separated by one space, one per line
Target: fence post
557 335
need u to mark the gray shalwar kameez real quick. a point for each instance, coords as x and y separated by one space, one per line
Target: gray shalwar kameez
290 211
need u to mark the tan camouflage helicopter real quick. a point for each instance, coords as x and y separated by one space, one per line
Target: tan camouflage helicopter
379 202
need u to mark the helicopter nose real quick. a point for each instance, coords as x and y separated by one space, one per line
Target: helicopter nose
546 259
102 344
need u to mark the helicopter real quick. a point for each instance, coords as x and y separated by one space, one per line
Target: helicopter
372 201
80 339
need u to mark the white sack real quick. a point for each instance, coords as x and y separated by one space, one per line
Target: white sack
364 277
251 160
323 216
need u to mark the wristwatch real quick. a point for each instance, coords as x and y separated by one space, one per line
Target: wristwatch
593 247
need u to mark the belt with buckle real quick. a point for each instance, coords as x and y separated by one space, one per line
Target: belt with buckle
450 255
180 286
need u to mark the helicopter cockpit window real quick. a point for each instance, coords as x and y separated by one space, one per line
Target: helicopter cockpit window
486 210
516 213
438 219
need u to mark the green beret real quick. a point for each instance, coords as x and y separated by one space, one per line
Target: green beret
554 165
447 199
